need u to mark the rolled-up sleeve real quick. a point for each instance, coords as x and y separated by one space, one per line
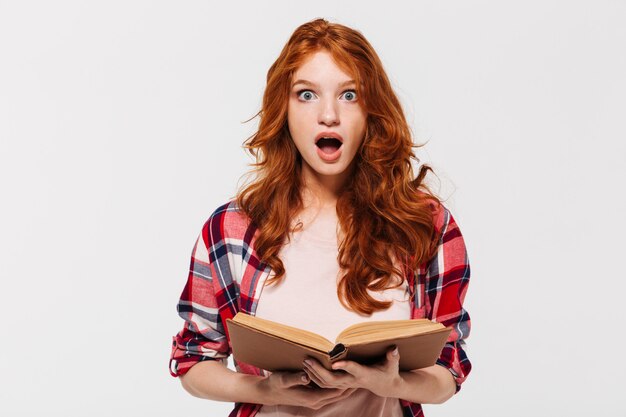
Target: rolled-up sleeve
446 281
203 336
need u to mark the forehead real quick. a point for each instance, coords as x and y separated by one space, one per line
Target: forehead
319 67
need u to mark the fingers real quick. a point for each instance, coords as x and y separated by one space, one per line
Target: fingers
325 378
350 367
316 378
393 353
309 368
343 395
393 357
348 392
291 379
328 396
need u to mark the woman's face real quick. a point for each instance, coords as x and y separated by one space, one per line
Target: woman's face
325 118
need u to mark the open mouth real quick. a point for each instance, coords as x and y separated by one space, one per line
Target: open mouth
328 145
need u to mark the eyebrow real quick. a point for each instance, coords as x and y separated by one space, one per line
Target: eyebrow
310 83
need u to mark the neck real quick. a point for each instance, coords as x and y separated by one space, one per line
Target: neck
322 191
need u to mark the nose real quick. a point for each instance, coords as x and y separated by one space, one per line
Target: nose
328 114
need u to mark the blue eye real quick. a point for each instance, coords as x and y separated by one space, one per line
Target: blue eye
305 95
350 95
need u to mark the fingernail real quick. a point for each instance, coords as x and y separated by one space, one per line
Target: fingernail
307 362
395 352
305 378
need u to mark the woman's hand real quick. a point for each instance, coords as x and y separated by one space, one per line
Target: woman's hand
382 379
290 388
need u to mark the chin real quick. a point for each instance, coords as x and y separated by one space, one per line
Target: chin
331 172
327 169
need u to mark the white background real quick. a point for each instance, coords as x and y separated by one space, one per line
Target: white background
121 131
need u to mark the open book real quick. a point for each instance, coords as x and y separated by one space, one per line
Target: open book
278 347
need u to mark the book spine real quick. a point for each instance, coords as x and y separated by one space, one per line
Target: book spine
338 352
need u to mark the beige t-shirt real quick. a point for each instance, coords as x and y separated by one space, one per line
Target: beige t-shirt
307 298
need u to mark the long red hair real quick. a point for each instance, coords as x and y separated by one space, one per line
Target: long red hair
384 211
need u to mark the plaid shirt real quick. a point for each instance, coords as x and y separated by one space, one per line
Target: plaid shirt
226 275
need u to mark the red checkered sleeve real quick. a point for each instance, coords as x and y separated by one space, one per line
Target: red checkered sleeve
446 279
203 336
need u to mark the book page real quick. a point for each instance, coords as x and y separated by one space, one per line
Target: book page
293 334
382 330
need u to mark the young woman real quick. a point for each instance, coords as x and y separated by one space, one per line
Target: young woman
334 230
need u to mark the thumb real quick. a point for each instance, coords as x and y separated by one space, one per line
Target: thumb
393 356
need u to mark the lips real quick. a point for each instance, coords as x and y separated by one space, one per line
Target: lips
329 146
328 142
334 135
